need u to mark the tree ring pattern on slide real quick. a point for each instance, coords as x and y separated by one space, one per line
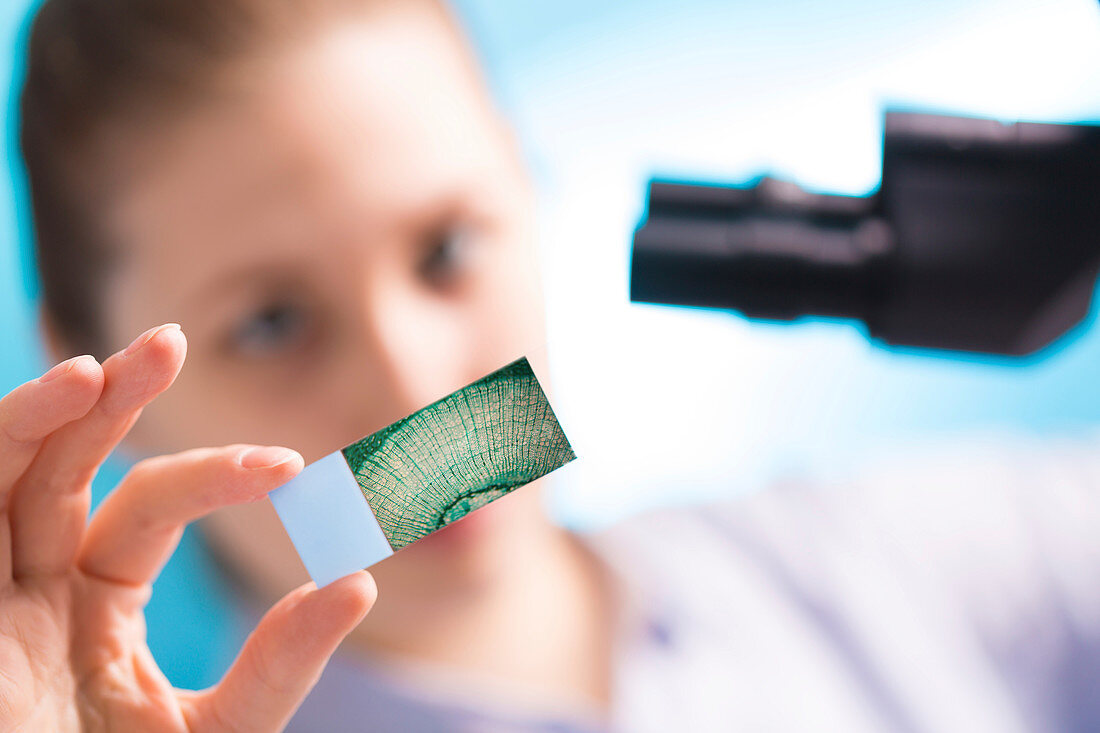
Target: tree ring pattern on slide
459 453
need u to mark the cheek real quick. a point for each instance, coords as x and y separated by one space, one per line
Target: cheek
510 306
212 405
199 411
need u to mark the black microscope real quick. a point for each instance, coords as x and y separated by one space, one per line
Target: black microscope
981 237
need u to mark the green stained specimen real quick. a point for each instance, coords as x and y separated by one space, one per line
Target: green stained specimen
459 453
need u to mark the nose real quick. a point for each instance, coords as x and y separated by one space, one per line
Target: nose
418 348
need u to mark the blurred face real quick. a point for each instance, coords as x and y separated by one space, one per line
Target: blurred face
343 231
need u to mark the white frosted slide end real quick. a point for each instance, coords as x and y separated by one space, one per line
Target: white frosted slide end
329 520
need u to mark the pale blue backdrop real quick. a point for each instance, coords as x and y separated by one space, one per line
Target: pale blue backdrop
607 94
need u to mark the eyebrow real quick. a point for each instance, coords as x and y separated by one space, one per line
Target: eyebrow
230 280
439 205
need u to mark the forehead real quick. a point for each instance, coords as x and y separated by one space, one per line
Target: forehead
357 125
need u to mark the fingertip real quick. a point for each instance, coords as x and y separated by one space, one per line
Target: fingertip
166 347
63 394
147 337
173 332
146 367
271 457
280 473
262 469
352 595
360 584
80 373
85 380
290 468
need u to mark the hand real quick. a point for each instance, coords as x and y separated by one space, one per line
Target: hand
73 654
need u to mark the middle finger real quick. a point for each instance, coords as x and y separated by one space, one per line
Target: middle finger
49 506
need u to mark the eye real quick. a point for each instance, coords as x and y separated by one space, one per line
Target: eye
273 329
449 253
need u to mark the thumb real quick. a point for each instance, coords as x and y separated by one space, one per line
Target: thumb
283 657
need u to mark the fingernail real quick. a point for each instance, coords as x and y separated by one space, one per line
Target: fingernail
63 368
265 456
148 336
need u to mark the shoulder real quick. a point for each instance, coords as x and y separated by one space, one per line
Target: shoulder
969 566
985 524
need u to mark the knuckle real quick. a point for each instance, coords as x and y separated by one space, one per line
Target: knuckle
263 669
219 720
14 426
61 483
12 432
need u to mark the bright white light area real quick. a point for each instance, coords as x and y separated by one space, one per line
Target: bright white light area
669 405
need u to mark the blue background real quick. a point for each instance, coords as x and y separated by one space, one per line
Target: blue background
605 95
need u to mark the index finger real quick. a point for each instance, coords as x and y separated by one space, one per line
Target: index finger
49 506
